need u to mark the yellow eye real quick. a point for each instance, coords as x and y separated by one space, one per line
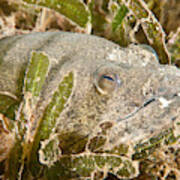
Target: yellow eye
106 79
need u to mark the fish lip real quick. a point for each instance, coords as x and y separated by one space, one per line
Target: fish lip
145 104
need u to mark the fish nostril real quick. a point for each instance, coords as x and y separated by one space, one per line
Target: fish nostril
135 104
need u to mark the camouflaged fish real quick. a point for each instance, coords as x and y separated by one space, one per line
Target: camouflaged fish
76 106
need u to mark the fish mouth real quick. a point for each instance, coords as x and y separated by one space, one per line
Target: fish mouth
161 99
71 147
146 103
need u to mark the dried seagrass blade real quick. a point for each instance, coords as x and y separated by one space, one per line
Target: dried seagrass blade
119 21
33 82
151 27
48 122
35 76
36 73
119 17
6 137
8 104
14 161
75 10
174 47
87 166
145 149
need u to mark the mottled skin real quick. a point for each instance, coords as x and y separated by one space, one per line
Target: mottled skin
142 100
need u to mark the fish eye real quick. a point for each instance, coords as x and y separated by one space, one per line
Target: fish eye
106 80
150 49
